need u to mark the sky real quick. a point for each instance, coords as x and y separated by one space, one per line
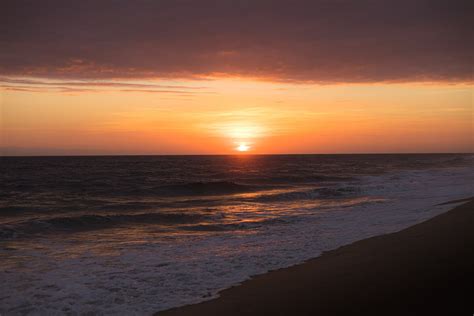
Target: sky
224 77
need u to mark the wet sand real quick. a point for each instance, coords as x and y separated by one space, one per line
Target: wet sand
422 270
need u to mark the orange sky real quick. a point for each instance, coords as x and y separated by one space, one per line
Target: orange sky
215 116
208 77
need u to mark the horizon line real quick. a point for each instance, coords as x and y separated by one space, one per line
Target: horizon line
238 154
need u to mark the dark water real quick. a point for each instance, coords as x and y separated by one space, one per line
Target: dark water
135 235
44 194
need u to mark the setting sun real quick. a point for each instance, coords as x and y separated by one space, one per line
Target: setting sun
243 147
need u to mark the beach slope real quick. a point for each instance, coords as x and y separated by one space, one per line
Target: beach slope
423 270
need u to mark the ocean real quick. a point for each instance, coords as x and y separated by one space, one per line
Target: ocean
138 234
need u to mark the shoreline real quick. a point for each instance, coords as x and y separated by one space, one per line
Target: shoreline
422 269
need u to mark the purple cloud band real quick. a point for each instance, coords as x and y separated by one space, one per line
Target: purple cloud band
302 40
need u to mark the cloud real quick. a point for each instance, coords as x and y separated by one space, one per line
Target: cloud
112 84
42 85
302 40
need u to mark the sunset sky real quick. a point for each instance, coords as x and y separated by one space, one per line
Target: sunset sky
221 77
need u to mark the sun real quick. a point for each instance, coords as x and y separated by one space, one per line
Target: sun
242 147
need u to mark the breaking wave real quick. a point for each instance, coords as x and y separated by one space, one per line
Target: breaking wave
307 179
318 193
237 226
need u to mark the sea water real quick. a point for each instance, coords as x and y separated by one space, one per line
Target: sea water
138 234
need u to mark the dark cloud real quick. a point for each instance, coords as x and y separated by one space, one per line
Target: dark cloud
38 85
309 40
112 84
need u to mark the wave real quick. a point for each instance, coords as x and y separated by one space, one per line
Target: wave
319 193
235 226
90 222
205 188
289 179
12 210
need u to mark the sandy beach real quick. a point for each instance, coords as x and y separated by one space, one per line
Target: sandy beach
422 270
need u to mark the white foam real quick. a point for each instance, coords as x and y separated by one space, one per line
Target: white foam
145 277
